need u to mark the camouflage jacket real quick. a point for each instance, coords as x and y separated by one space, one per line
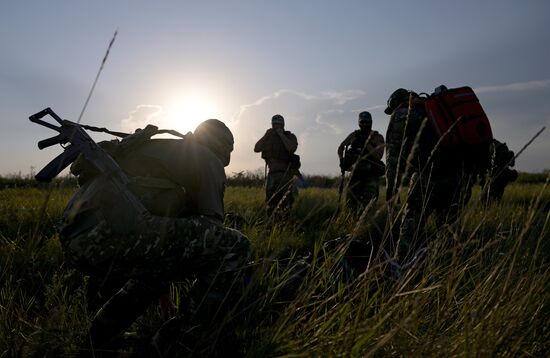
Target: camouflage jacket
274 152
170 177
407 149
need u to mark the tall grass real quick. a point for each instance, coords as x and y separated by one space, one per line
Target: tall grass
482 288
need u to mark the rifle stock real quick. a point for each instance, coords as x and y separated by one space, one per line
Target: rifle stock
81 143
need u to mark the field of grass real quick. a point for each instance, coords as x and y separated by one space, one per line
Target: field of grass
481 290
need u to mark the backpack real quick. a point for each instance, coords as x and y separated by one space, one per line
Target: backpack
295 162
148 180
460 127
457 117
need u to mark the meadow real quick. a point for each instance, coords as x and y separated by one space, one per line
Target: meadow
482 288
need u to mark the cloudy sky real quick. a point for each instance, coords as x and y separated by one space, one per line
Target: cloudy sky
318 63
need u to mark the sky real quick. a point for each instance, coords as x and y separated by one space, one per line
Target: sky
318 63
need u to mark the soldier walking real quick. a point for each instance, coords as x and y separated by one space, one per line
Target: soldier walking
278 147
436 177
361 153
181 184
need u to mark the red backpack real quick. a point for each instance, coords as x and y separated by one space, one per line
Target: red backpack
457 117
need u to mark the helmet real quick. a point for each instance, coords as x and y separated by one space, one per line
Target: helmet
365 117
215 135
396 98
277 119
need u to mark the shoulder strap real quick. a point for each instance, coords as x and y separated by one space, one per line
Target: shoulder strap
124 135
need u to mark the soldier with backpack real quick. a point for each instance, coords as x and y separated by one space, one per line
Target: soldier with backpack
180 182
361 153
436 154
278 147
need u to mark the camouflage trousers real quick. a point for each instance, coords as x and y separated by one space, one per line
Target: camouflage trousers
156 252
444 195
160 247
280 192
362 190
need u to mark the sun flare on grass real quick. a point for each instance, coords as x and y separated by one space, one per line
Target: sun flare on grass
186 112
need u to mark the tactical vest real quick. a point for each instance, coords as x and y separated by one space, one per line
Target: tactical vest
275 149
365 163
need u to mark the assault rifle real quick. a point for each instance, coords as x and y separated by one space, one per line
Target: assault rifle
81 143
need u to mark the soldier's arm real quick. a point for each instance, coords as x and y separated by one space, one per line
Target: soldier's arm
209 192
290 142
394 143
260 144
375 146
344 144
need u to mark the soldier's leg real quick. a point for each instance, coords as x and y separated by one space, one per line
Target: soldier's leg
370 190
290 191
220 276
218 287
418 207
272 195
497 189
353 193
280 197
121 310
450 195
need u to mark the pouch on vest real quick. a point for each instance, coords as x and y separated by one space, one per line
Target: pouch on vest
295 163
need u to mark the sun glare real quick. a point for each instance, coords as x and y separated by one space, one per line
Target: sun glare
186 113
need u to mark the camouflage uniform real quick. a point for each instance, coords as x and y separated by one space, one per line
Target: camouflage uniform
437 183
181 183
499 174
281 189
363 185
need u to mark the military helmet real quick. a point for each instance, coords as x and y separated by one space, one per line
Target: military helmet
215 135
277 119
396 98
365 117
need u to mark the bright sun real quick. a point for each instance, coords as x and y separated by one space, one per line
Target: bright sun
185 113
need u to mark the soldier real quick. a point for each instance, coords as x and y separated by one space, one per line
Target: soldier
181 183
363 149
499 174
277 147
437 180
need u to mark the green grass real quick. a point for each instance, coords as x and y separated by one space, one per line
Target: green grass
483 289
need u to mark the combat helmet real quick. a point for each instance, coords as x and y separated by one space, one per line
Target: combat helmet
215 135
398 96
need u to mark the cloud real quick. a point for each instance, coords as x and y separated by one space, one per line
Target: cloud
319 121
142 115
341 98
516 87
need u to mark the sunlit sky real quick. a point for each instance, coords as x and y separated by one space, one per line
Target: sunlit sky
318 63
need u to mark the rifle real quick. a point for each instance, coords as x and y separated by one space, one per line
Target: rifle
341 186
81 143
